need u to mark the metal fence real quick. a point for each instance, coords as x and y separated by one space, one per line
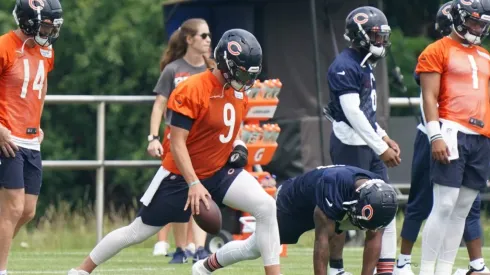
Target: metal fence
100 163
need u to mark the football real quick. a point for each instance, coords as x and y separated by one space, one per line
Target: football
209 220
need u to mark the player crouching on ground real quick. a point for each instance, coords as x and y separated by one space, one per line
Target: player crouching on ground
328 199
207 111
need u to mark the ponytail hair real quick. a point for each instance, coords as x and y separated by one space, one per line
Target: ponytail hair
177 44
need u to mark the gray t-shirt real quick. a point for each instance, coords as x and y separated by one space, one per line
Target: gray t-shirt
172 75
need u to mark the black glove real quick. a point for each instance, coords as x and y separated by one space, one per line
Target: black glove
238 157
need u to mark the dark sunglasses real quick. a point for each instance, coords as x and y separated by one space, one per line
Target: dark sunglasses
205 35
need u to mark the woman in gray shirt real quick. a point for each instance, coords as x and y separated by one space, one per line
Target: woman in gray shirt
187 53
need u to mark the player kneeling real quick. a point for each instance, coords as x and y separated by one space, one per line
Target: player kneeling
328 199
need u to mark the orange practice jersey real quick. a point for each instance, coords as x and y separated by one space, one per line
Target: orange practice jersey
465 73
165 142
217 116
22 79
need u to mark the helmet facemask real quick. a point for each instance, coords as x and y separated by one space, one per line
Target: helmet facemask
471 27
373 42
238 77
48 32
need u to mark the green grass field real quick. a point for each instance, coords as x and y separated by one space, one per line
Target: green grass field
61 241
139 261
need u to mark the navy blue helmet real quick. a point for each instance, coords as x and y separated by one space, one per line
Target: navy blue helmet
239 58
367 29
444 21
376 206
471 19
40 19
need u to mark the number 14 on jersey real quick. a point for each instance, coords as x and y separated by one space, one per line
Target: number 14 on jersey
38 82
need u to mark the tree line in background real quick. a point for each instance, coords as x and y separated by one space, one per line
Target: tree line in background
113 48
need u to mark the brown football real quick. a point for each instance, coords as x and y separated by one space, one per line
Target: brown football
209 220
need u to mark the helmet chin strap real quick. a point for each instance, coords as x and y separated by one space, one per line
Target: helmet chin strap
468 37
376 52
237 86
44 42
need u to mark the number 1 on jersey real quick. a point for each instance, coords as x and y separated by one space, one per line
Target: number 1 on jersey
474 71
229 121
38 80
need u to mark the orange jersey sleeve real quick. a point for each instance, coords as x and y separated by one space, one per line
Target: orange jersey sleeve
186 99
217 113
431 60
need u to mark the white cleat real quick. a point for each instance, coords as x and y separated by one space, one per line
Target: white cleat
485 270
465 271
161 249
199 269
403 270
333 271
77 272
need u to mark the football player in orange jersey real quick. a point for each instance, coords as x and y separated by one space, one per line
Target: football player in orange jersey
26 57
207 111
454 73
186 54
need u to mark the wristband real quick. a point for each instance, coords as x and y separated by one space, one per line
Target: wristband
194 183
433 130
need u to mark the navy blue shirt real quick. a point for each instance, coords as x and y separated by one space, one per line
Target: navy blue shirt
417 80
416 77
346 76
326 187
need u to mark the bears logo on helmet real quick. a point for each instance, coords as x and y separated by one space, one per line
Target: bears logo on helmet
444 20
237 46
370 212
38 7
446 10
361 18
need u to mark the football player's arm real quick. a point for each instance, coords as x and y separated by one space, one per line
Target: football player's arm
429 68
372 250
324 228
430 83
345 82
391 143
350 103
181 125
